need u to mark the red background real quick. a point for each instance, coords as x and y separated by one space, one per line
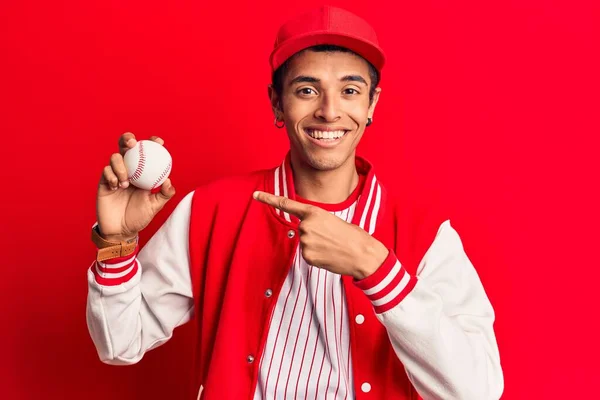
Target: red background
491 106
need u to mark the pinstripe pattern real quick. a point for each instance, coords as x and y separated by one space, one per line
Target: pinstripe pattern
307 355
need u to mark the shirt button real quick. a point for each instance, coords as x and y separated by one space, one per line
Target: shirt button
291 233
268 293
365 387
250 359
359 319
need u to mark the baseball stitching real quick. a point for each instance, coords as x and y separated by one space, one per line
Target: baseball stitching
165 172
140 167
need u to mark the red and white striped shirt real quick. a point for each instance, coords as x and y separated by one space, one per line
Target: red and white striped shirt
307 353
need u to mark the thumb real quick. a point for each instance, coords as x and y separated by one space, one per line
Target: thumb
166 193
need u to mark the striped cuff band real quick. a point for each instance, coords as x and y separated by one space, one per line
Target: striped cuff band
388 286
116 270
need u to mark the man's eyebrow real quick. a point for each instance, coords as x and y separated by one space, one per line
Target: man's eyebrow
304 78
354 78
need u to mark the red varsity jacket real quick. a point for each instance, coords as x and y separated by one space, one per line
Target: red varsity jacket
239 248
424 326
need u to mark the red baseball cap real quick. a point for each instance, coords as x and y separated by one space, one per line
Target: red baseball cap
327 25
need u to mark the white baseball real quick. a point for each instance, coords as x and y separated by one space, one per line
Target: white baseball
148 164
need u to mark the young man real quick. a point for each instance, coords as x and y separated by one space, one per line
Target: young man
307 280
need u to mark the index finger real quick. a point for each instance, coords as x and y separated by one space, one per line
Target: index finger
124 143
283 203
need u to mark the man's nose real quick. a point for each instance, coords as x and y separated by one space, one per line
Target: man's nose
329 108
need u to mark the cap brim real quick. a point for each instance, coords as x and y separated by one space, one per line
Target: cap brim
365 49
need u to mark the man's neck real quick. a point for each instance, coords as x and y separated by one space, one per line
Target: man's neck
329 187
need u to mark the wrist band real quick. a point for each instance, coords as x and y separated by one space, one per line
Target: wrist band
108 249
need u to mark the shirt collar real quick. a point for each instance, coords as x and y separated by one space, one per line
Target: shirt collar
371 197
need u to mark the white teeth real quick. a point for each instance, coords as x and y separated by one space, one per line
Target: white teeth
325 134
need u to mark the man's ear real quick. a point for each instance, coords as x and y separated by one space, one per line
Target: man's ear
275 102
374 102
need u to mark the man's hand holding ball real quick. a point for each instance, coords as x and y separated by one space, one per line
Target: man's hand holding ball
124 209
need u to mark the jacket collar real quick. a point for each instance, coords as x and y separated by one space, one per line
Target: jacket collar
371 200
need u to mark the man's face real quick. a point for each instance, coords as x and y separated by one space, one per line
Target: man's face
325 106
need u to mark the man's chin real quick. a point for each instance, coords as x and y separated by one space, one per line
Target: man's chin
325 162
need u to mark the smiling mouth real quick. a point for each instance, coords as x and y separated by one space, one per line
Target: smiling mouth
325 136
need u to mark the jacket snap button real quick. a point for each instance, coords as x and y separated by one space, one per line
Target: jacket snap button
250 359
291 233
366 387
359 319
268 293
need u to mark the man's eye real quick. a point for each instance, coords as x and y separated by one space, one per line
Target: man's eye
351 91
306 91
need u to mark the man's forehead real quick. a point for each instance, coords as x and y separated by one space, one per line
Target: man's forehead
327 65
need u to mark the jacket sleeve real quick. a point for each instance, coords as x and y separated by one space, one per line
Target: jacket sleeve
440 322
134 303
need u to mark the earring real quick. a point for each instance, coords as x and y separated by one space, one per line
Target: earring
276 123
369 121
